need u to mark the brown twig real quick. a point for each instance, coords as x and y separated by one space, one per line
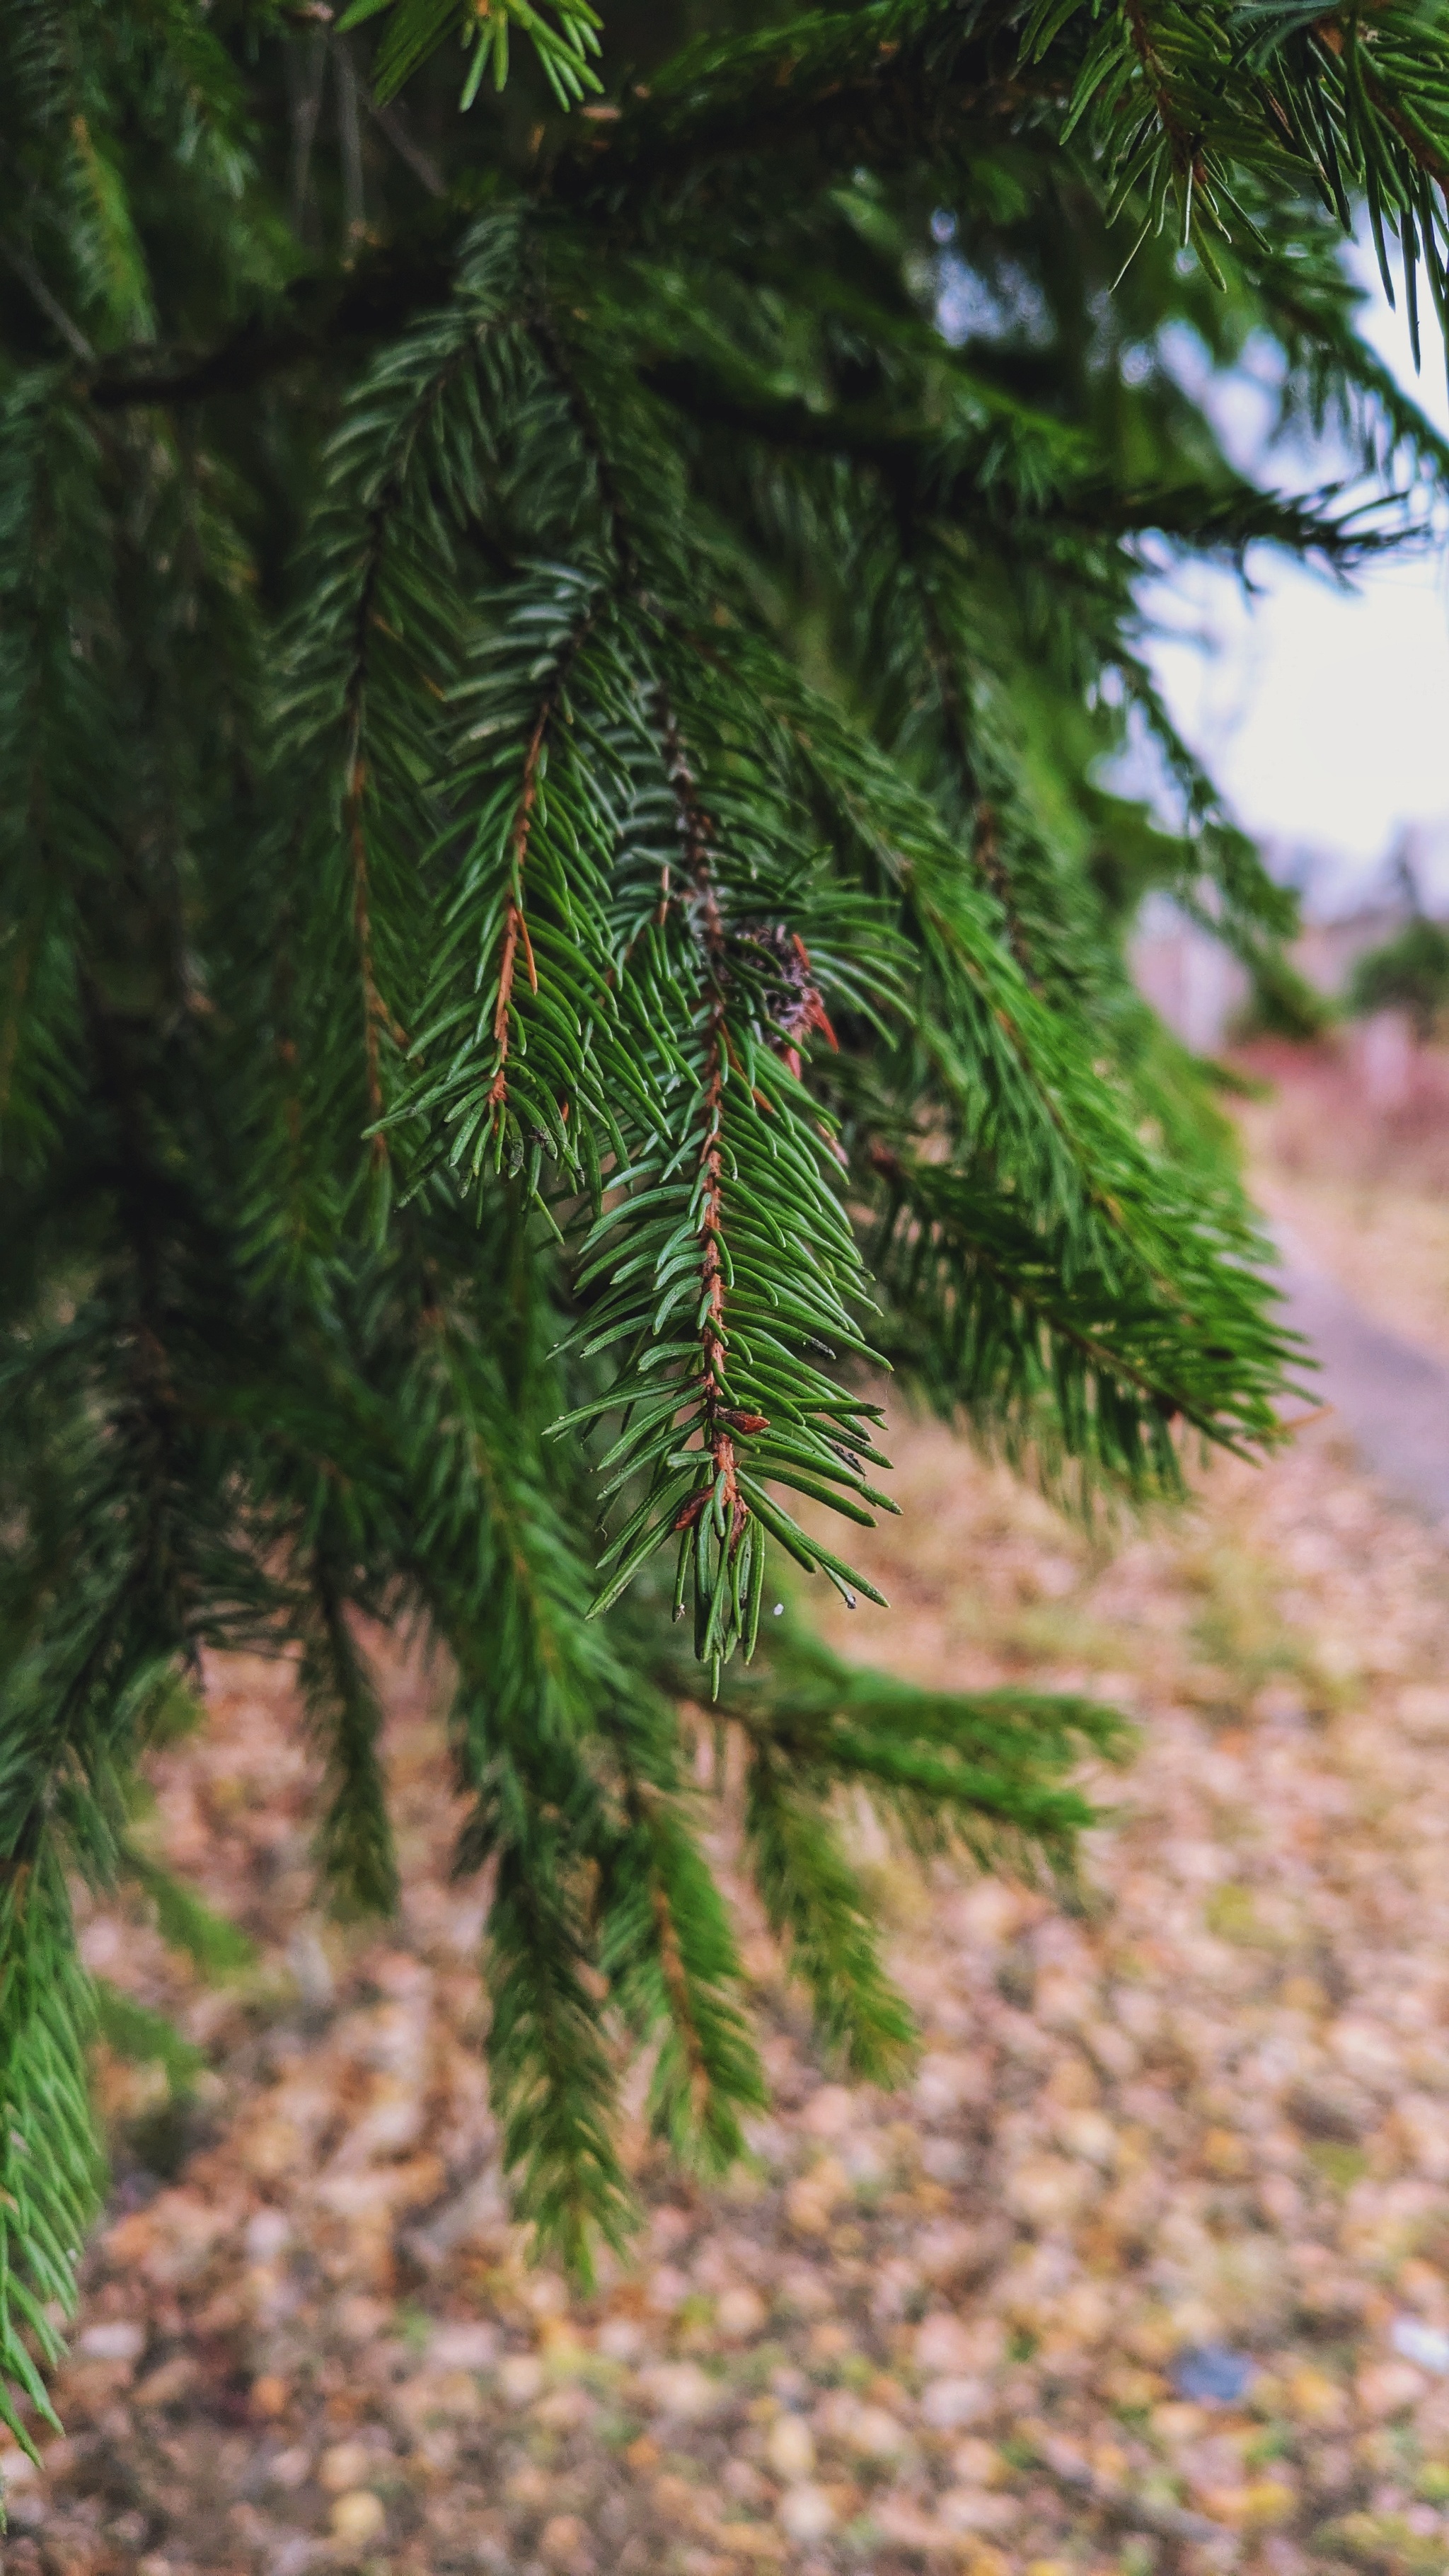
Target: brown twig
643 1797
374 1011
515 929
709 929
515 926
1118 2504
1185 154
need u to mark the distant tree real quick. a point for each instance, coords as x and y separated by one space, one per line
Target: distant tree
560 675
1408 973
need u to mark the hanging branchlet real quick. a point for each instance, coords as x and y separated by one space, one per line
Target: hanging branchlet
354 812
527 1052
730 1223
515 924
716 1535
51 2171
354 1842
986 849
533 1135
669 1950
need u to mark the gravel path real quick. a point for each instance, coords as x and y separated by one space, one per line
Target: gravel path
1391 1396
951 2328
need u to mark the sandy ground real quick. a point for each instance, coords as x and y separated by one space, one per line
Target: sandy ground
941 2328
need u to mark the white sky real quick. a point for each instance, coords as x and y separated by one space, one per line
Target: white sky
1322 712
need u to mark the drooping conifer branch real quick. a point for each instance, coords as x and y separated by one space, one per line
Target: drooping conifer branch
379 508
515 925
955 726
515 936
355 1846
593 736
721 1493
373 1013
670 1951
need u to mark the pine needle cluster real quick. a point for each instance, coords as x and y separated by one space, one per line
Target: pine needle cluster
562 655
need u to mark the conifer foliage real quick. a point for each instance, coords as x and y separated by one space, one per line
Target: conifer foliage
563 627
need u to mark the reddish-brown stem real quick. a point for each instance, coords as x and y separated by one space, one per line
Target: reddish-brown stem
645 1800
713 1337
374 1012
709 931
676 1979
515 928
1185 155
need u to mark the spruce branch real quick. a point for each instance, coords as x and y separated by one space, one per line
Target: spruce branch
815 1903
50 2167
1061 1354
704 1212
557 903
553 2082
932 478
544 1063
549 1760
324 313
416 27
668 1951
896 82
515 930
354 1840
141 2037
216 1946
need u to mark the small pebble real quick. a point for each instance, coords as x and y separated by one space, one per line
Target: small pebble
1212 2374
357 2518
